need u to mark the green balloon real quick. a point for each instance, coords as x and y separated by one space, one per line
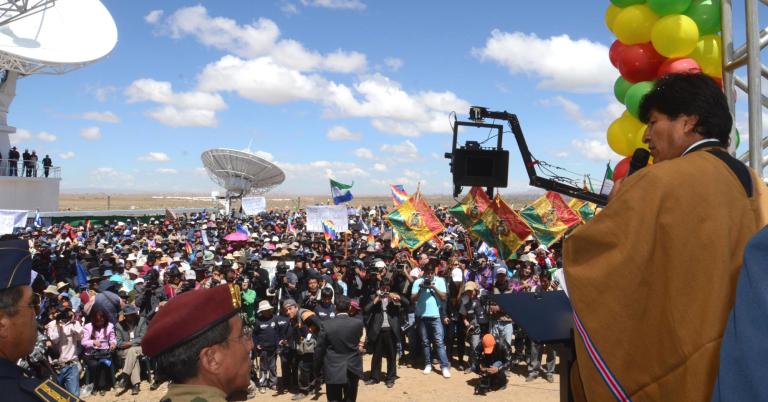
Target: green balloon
668 7
635 96
706 13
626 3
620 88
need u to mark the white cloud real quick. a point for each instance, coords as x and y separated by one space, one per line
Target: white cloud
595 150
153 17
336 4
403 152
412 174
67 155
392 109
178 109
258 39
265 155
561 154
91 133
379 167
364 153
393 63
289 8
47 137
20 136
261 80
597 123
155 157
166 171
322 169
108 177
341 133
104 117
561 63
102 93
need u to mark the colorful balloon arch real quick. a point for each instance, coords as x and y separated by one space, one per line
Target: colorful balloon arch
655 38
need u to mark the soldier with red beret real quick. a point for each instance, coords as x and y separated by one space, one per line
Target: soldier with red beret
201 343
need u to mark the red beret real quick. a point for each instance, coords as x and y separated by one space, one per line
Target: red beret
189 315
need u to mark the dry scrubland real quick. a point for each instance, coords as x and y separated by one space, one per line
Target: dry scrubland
87 202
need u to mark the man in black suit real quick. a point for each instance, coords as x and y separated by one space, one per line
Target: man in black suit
384 331
339 348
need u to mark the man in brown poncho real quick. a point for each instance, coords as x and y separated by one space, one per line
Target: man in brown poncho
652 278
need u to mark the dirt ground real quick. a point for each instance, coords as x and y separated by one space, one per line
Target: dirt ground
89 202
411 386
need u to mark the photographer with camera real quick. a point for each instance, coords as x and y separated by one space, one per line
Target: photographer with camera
492 363
481 272
64 334
428 293
384 331
473 311
149 295
285 283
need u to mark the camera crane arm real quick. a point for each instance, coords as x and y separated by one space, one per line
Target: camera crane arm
478 113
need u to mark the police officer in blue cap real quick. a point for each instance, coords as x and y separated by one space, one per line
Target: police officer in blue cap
19 306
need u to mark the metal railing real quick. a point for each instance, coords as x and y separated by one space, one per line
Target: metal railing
20 168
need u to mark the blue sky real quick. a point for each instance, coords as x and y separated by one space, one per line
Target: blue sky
354 89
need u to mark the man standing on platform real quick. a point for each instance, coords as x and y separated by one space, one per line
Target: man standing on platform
47 163
339 348
13 160
652 278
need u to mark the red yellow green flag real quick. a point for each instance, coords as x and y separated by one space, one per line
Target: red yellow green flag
585 210
549 217
415 222
469 210
507 229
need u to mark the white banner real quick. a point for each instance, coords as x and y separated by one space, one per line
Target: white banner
10 218
254 205
336 214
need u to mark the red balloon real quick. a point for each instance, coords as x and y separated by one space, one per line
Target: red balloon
639 62
621 169
682 66
615 51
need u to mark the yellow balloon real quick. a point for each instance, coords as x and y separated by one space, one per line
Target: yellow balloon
610 16
622 134
675 35
709 54
633 24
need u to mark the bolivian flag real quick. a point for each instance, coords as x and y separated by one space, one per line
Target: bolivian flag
415 222
585 210
549 217
501 224
469 210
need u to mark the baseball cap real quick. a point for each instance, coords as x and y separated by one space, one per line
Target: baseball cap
488 343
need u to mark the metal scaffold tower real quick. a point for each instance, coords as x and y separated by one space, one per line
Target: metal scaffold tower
747 55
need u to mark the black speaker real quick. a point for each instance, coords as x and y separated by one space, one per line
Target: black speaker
480 167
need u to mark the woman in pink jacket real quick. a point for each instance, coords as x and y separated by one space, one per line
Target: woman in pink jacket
99 342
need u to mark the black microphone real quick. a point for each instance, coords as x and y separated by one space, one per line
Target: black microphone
639 160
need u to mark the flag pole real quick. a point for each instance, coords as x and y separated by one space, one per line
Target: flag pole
346 242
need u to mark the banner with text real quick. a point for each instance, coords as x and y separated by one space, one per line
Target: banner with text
318 214
254 205
11 218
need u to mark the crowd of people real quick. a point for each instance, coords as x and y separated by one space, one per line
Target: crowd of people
29 164
100 288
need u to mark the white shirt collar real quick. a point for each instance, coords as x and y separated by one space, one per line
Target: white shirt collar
695 144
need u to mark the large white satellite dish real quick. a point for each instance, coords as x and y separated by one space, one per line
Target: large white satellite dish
60 37
48 37
241 173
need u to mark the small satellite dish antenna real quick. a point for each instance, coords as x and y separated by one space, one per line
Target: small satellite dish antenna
48 37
